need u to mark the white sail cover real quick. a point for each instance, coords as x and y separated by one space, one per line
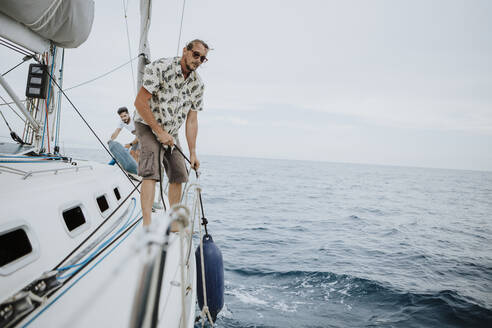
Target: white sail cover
67 23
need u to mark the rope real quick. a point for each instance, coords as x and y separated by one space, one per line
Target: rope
125 7
205 313
101 76
181 26
205 310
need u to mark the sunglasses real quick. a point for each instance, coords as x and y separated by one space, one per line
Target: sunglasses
197 55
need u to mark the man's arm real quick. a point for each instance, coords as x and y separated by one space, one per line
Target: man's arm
191 133
143 108
115 133
128 145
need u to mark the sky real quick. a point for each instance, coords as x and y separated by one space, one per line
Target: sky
380 82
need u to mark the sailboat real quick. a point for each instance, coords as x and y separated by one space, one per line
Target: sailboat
81 258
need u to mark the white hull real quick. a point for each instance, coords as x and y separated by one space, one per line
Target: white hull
103 293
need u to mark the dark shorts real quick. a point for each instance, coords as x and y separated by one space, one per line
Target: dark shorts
148 165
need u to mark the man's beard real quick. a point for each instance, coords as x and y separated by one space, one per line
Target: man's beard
190 69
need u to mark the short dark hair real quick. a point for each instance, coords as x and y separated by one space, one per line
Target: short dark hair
122 110
190 44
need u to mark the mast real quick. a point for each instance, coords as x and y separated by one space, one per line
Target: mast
144 47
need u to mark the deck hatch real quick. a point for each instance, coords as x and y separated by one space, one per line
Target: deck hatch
117 193
14 245
102 202
74 218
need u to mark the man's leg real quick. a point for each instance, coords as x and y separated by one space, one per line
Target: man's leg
174 195
147 193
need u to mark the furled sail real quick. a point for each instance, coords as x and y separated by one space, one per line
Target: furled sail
67 23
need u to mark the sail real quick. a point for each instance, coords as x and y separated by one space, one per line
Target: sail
67 23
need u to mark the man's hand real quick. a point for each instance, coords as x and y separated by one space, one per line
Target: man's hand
195 163
165 138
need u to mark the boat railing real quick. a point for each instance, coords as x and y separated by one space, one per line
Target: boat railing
145 309
55 171
27 174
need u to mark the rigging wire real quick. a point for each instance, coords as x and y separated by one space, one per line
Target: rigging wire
181 26
92 130
57 128
14 47
100 76
26 58
5 103
125 8
83 83
12 133
8 104
46 125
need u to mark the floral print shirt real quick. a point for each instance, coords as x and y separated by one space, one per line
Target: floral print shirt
172 95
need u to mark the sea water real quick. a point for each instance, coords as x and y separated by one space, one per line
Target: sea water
317 244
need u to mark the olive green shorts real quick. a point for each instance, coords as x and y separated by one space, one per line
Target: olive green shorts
148 166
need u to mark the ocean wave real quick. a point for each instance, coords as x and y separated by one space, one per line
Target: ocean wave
440 308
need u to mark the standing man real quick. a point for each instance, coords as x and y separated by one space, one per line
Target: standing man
127 123
171 93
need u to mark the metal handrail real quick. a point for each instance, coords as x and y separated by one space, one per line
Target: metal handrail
12 170
76 168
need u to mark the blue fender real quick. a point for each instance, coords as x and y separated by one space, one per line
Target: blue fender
214 276
123 156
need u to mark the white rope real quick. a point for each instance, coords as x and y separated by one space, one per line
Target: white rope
205 313
205 310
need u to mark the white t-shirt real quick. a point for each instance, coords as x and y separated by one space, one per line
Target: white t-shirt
130 126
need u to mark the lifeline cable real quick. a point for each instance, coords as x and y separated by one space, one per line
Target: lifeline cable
132 226
93 232
74 264
102 251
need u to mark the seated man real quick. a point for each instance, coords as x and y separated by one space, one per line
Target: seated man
127 123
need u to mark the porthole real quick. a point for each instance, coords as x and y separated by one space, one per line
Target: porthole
18 246
14 245
102 202
74 218
117 193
